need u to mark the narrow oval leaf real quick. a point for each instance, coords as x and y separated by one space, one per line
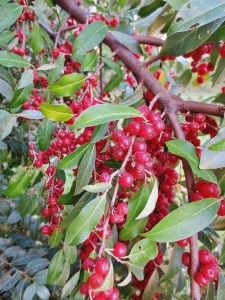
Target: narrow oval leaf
185 221
128 41
10 60
104 113
187 150
44 134
152 199
31 114
26 79
85 222
7 122
30 292
67 85
70 285
220 290
56 267
9 13
143 251
5 89
37 38
92 35
42 292
20 96
90 61
55 73
72 160
6 37
98 187
19 183
133 98
56 113
86 168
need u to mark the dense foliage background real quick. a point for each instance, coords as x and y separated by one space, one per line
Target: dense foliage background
111 122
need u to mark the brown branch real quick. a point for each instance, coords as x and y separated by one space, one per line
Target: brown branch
148 40
151 60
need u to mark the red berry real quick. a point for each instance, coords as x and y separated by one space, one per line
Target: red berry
186 259
46 212
202 69
221 211
200 79
102 266
183 243
84 289
95 280
222 50
208 189
200 279
120 249
88 263
206 257
100 296
46 230
147 132
126 179
113 294
210 271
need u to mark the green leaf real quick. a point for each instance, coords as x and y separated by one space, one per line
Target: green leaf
80 203
67 85
211 159
9 13
8 59
186 150
113 82
37 39
142 252
19 183
70 285
152 199
30 291
218 75
196 14
98 187
151 286
150 8
92 35
86 168
20 96
104 113
31 114
7 122
90 61
70 253
44 134
174 263
210 292
56 238
218 35
6 37
135 97
55 73
127 41
72 160
5 89
182 42
112 65
26 79
64 275
4 2
222 253
99 133
58 113
133 227
79 230
218 146
27 205
56 267
184 221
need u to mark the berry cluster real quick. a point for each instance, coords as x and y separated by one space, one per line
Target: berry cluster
208 269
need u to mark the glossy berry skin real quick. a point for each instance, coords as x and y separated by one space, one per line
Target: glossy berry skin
210 271
126 180
120 249
208 189
206 257
95 280
222 50
221 211
200 279
147 132
183 243
46 230
102 266
186 259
